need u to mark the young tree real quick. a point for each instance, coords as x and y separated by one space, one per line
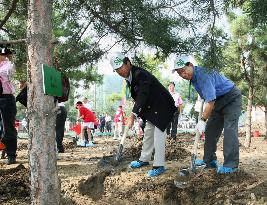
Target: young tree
45 186
246 62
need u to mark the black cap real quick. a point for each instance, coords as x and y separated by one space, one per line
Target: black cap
4 50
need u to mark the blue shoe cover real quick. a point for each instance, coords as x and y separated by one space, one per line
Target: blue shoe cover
138 164
90 144
212 164
156 171
226 170
199 162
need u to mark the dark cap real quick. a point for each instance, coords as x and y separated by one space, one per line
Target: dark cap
5 51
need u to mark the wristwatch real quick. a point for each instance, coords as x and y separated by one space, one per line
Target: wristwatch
202 118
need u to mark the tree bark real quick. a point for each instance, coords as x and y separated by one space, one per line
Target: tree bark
45 186
265 127
248 120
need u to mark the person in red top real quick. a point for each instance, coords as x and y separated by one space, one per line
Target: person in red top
88 123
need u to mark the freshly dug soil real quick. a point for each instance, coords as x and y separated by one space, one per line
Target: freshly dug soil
89 177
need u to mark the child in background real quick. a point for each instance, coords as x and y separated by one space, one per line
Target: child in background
88 124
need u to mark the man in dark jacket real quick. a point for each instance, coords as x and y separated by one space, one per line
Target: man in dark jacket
153 103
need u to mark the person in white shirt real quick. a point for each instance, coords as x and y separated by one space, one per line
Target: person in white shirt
172 128
108 122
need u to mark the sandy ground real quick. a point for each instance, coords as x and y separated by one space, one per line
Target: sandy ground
88 176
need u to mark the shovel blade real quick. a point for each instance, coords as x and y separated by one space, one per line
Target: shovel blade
193 163
118 156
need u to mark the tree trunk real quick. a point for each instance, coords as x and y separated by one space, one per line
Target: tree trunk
265 127
248 120
45 186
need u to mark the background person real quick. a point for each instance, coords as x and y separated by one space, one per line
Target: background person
108 123
60 126
172 128
222 111
102 123
153 103
8 104
118 122
88 123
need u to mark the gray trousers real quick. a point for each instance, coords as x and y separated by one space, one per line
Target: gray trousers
225 116
154 138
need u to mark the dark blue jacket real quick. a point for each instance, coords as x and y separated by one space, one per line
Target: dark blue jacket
153 101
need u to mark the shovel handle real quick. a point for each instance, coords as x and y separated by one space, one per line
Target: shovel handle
197 136
118 156
124 135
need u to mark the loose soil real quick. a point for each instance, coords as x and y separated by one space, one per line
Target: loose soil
89 176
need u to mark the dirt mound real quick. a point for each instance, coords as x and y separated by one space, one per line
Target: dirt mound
133 152
208 187
23 145
174 151
69 144
94 185
14 184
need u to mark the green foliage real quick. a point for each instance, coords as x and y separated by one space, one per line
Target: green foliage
115 97
250 43
255 9
151 63
183 89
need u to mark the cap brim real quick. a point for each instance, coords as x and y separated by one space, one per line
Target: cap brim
114 69
174 70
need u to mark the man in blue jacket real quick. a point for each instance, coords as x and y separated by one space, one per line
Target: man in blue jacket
222 111
154 104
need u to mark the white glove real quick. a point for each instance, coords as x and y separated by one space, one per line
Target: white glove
201 126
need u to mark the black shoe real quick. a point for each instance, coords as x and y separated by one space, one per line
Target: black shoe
11 160
3 155
61 151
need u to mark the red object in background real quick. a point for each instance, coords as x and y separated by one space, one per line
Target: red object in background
17 123
256 133
203 136
124 121
77 129
2 146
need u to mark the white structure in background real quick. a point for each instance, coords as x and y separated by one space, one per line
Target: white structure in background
24 125
67 125
185 121
198 104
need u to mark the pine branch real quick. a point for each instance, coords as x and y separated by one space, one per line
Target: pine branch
9 13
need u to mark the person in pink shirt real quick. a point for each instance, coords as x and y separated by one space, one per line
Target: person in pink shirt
88 123
118 121
172 128
8 105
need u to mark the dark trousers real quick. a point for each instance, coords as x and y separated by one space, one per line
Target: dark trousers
225 116
172 127
108 126
9 110
60 126
102 127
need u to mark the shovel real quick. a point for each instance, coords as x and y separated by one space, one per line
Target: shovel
194 154
118 156
192 169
